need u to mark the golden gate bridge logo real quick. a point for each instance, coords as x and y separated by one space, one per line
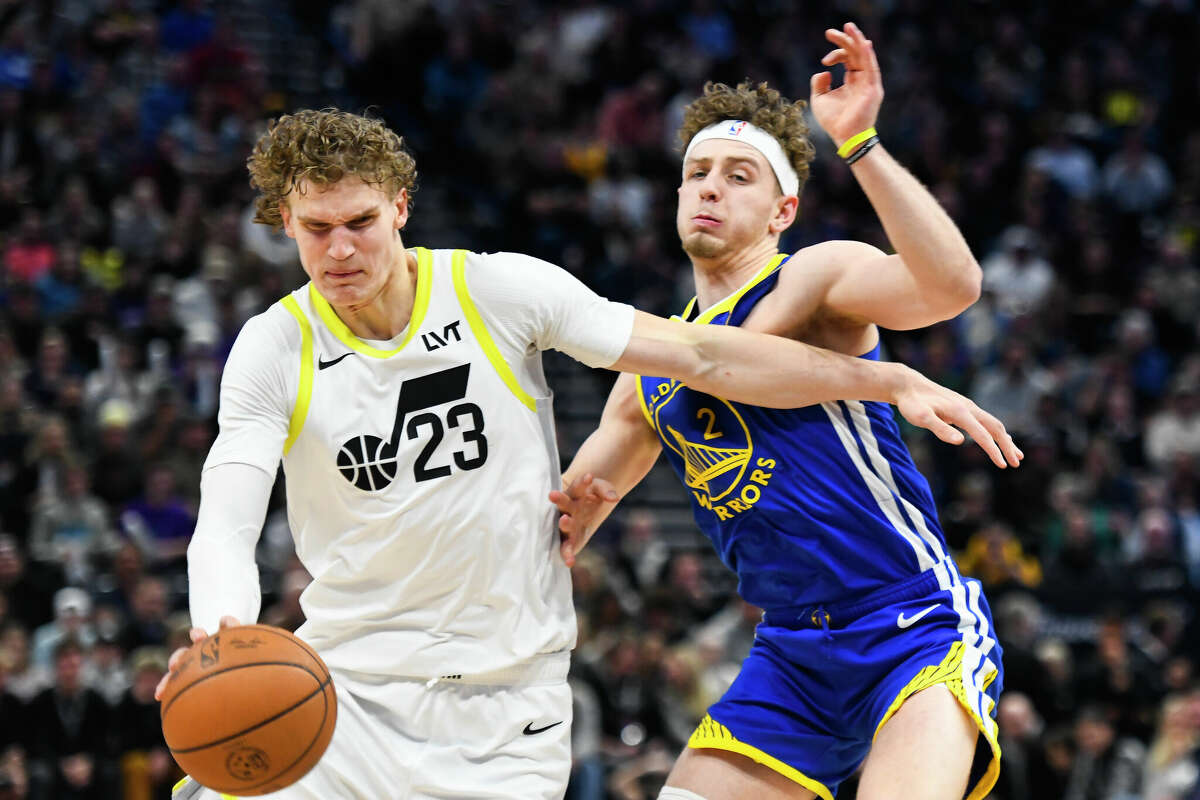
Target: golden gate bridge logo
703 463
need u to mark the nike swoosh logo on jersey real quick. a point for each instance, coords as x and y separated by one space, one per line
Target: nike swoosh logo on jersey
904 622
322 364
530 730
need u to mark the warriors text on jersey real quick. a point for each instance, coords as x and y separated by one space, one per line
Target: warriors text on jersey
417 469
806 505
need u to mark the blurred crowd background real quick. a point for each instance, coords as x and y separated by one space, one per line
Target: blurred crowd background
1061 137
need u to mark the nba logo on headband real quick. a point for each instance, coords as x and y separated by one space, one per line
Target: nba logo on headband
736 127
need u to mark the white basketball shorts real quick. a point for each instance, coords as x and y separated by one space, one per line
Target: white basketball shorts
503 736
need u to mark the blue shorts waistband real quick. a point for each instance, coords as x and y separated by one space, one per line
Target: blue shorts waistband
841 613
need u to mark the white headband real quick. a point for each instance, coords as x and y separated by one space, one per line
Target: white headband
738 130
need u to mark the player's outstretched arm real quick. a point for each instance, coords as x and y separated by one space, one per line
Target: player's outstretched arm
934 276
776 372
613 459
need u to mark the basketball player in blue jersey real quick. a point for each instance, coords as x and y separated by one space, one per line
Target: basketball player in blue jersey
872 645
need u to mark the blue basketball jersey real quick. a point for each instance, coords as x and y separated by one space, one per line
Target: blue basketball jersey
807 505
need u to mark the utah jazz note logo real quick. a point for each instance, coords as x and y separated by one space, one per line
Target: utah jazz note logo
370 462
714 445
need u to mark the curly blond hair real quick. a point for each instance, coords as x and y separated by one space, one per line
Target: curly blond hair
322 147
762 107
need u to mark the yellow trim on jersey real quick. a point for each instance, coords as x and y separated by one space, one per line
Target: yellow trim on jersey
950 673
481 332
712 734
186 779
304 390
420 306
642 401
725 305
729 302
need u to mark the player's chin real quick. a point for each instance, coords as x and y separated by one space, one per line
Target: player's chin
702 244
341 291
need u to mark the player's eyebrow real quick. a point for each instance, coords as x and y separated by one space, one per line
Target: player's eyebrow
707 160
370 212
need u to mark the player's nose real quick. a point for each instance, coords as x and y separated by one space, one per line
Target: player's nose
710 187
341 246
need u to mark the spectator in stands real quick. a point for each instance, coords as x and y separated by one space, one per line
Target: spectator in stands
68 738
116 471
73 530
147 769
158 520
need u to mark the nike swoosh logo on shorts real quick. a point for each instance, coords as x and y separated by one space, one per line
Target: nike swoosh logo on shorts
530 730
322 364
904 622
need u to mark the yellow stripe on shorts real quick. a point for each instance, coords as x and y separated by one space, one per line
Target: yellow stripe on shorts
950 672
712 734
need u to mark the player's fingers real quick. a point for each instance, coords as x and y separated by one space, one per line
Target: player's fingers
838 37
603 490
570 546
579 486
173 661
197 634
944 430
1012 453
820 83
161 687
852 44
561 501
982 437
838 56
229 621
925 416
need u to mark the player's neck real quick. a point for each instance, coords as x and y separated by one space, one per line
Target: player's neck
388 313
717 278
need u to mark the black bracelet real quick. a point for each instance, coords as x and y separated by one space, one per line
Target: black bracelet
862 150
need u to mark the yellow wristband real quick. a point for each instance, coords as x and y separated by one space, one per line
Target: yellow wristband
856 139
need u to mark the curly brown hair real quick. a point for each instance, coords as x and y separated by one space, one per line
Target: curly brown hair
762 107
322 147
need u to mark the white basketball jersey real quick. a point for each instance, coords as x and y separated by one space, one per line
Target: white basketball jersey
417 476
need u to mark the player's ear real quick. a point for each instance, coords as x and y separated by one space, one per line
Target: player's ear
786 207
286 214
401 206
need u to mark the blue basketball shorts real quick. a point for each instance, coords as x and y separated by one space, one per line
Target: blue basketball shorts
820 681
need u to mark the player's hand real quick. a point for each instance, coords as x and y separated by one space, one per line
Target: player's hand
196 634
583 502
932 406
852 107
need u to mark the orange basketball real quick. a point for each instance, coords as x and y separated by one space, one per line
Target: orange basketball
249 711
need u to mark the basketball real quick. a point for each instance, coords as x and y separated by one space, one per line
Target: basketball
249 711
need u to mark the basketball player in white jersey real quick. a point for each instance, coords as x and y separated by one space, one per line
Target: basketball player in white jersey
402 388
